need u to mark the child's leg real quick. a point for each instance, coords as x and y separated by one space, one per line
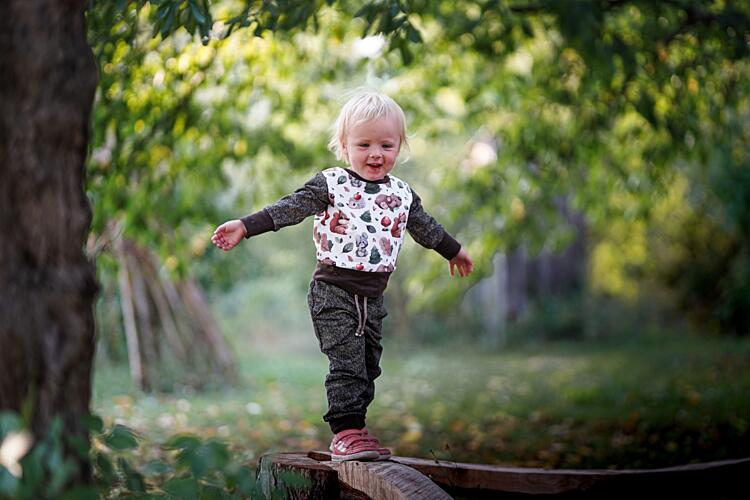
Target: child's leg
351 373
373 348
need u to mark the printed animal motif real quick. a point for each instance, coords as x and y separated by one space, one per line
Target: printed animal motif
361 228
398 225
339 223
386 246
325 243
356 202
361 245
328 261
386 201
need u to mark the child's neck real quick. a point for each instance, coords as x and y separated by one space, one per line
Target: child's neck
355 174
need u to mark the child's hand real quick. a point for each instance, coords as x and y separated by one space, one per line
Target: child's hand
463 263
229 234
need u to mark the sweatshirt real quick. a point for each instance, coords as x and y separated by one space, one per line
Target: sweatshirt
357 228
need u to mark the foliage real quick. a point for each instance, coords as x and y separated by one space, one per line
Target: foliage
602 100
185 466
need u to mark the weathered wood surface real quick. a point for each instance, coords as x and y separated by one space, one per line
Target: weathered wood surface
387 481
345 480
324 483
724 477
721 479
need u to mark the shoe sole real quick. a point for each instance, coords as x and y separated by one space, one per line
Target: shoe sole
383 457
362 455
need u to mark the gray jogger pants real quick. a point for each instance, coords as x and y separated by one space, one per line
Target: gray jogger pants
348 329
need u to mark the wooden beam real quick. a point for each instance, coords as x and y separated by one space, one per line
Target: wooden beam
350 480
324 483
387 481
722 478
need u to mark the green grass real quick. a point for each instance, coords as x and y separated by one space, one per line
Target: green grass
626 403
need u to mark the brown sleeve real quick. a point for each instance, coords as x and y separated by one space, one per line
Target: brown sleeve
291 209
428 232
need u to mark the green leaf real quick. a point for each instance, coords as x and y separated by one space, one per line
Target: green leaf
348 248
406 54
371 229
8 483
341 179
92 423
364 10
366 216
103 465
33 463
82 493
9 422
211 492
182 442
241 478
182 488
156 468
133 479
121 438
79 444
371 188
413 34
164 10
195 10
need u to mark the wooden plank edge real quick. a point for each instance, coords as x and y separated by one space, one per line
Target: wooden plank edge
723 475
388 481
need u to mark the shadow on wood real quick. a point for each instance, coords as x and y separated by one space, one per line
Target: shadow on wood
415 478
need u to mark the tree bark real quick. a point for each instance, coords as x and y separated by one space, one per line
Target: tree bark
47 83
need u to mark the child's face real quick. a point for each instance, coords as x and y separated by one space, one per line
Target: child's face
372 147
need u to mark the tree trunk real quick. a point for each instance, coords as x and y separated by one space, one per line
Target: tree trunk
47 285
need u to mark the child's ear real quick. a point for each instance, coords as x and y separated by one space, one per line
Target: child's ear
344 152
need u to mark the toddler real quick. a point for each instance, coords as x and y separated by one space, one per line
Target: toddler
360 216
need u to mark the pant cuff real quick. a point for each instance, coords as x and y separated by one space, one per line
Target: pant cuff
346 422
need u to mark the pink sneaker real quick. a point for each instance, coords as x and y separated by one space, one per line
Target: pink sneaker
352 444
383 453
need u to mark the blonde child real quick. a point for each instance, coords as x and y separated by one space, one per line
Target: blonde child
360 216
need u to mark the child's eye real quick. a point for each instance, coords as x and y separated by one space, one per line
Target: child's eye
364 145
387 146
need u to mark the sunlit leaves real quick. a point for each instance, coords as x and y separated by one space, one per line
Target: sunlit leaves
550 83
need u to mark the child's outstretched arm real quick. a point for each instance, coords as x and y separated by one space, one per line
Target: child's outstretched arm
289 210
229 234
430 234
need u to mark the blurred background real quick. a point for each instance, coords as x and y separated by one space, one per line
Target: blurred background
592 157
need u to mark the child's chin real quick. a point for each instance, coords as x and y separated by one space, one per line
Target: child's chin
374 174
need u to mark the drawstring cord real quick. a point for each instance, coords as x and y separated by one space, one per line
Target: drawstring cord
361 321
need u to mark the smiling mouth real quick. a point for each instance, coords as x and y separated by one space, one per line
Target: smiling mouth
375 165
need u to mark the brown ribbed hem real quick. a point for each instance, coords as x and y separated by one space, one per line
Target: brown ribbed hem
346 422
258 223
366 283
448 246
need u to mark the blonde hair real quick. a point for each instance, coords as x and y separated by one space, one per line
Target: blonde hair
364 105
